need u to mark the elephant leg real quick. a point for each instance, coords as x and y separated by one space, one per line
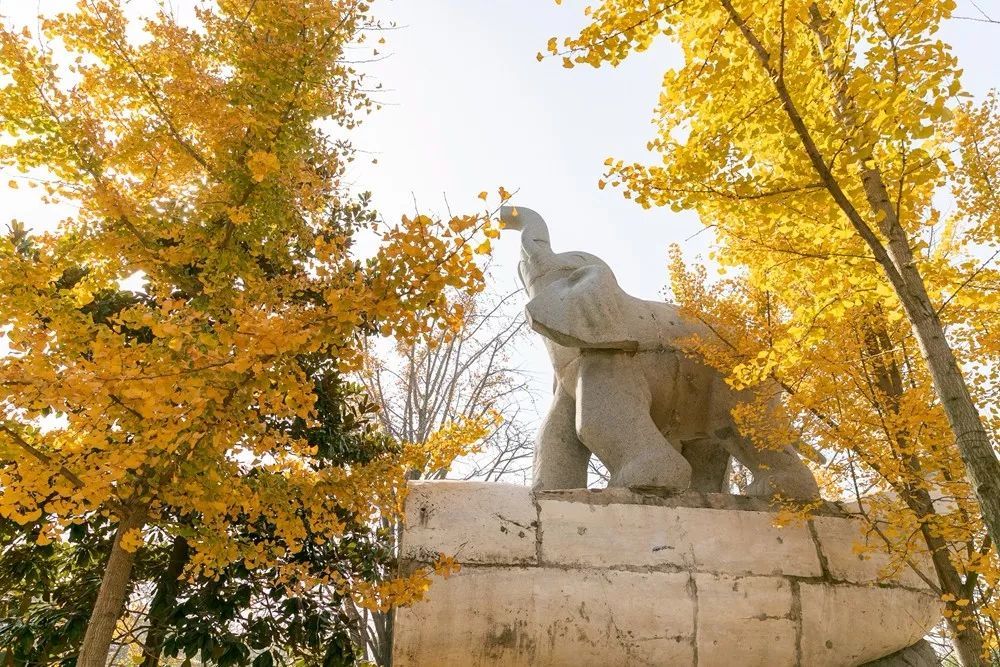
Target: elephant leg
775 471
709 465
613 420
560 458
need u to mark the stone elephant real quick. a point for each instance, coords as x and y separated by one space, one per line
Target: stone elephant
623 390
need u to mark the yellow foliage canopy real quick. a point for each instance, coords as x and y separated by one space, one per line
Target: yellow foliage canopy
851 184
200 158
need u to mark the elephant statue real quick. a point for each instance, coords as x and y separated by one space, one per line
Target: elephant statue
625 392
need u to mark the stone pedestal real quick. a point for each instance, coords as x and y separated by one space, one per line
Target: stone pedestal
581 578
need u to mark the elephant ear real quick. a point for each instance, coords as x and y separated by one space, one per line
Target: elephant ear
583 310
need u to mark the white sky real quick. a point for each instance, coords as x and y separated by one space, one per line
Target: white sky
468 108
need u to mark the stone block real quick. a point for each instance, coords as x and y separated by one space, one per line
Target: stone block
477 522
838 536
642 579
746 616
699 539
749 543
584 535
920 654
851 625
590 617
743 598
534 617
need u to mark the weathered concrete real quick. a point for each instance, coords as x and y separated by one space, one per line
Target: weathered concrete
660 498
619 578
751 613
850 625
920 654
535 616
584 535
477 522
871 563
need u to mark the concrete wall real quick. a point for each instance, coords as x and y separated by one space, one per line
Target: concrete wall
616 578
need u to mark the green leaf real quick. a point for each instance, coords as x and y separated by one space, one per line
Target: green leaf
264 660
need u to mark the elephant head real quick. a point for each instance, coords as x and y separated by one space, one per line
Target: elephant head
575 299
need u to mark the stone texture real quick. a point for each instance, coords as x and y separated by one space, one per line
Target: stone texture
701 539
749 543
847 564
508 617
752 613
624 390
660 498
851 625
920 654
477 522
639 579
580 535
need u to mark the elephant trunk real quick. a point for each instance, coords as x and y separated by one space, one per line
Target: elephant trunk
535 244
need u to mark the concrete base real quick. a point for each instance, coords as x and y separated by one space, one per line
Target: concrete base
580 578
920 654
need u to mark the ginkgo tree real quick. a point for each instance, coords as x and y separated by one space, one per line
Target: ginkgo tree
858 395
831 148
194 157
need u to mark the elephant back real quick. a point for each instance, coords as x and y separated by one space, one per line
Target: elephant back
587 309
657 325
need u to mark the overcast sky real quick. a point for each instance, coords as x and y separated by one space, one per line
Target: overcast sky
468 108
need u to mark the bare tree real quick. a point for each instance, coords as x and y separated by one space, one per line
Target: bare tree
465 373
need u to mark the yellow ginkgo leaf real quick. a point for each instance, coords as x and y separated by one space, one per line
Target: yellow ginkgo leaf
238 215
262 164
131 540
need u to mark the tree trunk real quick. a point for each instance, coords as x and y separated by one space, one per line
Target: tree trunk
971 439
385 624
111 595
163 602
896 258
967 641
968 644
889 381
